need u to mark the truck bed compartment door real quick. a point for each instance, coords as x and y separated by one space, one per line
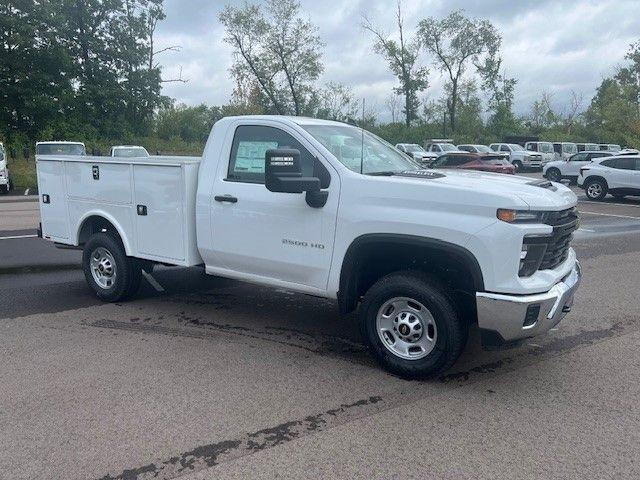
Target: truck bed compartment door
53 204
159 211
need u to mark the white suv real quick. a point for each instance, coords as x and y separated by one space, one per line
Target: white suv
618 175
570 168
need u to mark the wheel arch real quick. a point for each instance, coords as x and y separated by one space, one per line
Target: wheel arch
95 221
372 256
591 178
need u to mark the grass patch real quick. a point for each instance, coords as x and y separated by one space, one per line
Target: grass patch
23 173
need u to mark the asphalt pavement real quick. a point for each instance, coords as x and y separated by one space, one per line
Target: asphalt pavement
208 378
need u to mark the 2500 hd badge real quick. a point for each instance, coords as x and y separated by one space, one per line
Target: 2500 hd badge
301 243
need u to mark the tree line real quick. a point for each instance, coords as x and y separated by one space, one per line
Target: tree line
88 70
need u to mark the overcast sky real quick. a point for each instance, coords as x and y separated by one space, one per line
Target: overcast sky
557 46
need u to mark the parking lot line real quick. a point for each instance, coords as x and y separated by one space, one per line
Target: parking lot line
610 215
610 203
13 237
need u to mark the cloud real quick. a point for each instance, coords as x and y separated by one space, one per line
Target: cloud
548 46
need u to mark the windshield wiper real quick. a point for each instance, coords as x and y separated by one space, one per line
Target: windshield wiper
388 173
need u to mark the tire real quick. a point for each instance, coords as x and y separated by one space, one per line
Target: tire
389 313
596 189
554 175
108 271
518 166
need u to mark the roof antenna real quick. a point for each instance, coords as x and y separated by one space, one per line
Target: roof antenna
362 142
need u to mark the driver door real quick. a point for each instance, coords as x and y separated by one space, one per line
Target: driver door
573 164
258 234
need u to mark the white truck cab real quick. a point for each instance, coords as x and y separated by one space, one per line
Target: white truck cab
518 156
543 148
328 209
419 154
442 146
5 179
128 151
590 147
564 150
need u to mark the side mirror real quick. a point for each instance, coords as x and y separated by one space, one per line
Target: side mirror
283 174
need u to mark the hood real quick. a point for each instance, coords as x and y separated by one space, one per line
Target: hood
509 191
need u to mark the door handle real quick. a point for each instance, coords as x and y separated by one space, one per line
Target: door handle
225 198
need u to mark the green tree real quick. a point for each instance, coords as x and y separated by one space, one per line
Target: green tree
35 88
402 57
457 42
278 48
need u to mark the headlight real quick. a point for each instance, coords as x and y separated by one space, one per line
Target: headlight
521 216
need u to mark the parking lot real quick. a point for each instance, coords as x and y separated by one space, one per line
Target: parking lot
206 378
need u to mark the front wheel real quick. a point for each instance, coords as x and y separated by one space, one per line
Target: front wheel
108 271
411 325
518 166
596 189
554 175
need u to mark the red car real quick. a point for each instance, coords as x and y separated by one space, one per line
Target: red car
484 162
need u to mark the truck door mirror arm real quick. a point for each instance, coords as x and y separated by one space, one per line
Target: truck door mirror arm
283 173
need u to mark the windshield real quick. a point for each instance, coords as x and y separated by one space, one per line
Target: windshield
60 149
483 149
545 147
414 148
130 152
448 147
346 143
516 148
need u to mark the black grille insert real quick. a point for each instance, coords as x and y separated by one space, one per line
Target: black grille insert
564 223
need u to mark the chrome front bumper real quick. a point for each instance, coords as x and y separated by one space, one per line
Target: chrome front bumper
505 318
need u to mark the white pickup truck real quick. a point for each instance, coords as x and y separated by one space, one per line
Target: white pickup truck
330 210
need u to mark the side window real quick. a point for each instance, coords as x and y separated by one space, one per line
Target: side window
436 148
531 147
557 147
637 164
579 157
456 160
620 163
504 148
597 155
250 144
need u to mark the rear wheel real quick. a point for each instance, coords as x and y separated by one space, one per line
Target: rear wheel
411 325
554 174
596 189
109 272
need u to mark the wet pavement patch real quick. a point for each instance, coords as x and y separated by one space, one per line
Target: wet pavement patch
212 454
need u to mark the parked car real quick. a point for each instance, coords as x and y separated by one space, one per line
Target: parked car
610 147
570 168
544 148
326 209
418 153
60 148
128 151
518 156
485 162
442 146
564 150
5 179
590 147
474 148
628 151
617 175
